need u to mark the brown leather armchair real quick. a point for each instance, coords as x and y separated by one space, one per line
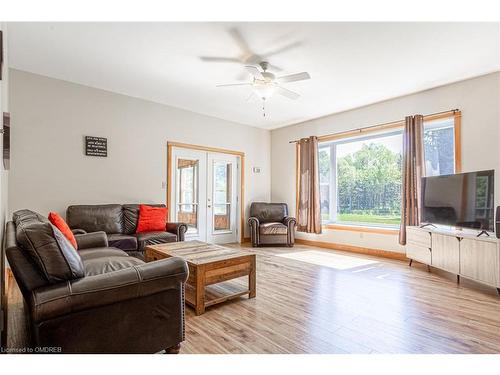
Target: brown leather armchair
97 299
271 225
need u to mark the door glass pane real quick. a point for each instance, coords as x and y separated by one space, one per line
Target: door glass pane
222 195
187 177
188 214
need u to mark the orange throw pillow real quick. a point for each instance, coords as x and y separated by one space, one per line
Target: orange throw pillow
60 224
151 219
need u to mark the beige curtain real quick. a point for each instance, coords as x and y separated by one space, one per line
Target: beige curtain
309 209
412 170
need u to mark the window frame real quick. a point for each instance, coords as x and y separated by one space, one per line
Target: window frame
383 128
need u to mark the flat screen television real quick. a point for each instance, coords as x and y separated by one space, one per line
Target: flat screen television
463 200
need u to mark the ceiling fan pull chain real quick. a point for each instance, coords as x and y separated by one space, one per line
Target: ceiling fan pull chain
263 107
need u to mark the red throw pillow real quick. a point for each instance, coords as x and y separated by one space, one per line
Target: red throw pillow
60 224
151 219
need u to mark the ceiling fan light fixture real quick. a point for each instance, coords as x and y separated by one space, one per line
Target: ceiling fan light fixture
264 90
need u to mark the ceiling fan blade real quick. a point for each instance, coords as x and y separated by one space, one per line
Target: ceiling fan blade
234 84
219 59
293 77
283 48
240 41
288 93
255 72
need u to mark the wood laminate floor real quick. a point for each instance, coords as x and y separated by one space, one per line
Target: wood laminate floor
332 304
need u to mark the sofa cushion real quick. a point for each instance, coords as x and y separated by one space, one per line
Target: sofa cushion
98 266
273 228
131 217
95 218
122 241
154 238
100 252
48 248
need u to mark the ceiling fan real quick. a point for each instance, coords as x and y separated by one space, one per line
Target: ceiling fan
247 55
265 84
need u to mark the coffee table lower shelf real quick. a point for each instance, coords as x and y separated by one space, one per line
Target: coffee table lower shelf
213 297
210 268
205 285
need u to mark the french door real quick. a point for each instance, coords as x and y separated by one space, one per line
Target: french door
204 194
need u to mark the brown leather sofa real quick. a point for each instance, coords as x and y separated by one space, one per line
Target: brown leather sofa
97 299
119 222
271 225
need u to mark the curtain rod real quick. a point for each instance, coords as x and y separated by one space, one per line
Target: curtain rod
360 130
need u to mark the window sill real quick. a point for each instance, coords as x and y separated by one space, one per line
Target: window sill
361 228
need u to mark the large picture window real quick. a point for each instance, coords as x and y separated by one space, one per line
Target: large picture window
360 176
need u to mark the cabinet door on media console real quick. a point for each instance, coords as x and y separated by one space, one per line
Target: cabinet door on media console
480 260
418 245
446 252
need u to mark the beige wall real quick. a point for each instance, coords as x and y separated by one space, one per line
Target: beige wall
477 98
49 170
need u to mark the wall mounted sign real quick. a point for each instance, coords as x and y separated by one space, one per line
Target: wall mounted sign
96 146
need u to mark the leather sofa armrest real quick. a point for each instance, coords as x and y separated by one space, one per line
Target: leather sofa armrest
290 223
92 292
78 231
179 229
254 230
89 240
253 221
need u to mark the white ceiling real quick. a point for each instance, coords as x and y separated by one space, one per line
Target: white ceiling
351 64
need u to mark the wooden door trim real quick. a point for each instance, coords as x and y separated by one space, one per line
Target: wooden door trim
241 155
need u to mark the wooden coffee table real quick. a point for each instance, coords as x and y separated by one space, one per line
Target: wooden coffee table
208 264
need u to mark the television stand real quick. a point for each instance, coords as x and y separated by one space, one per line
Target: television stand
483 232
427 225
461 253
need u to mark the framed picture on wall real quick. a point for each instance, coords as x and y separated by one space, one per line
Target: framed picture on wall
6 140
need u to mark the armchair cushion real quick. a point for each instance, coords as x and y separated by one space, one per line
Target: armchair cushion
273 228
268 212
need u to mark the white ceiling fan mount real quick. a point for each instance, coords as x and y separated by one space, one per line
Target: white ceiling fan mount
265 84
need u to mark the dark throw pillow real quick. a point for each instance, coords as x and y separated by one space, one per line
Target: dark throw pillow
51 251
